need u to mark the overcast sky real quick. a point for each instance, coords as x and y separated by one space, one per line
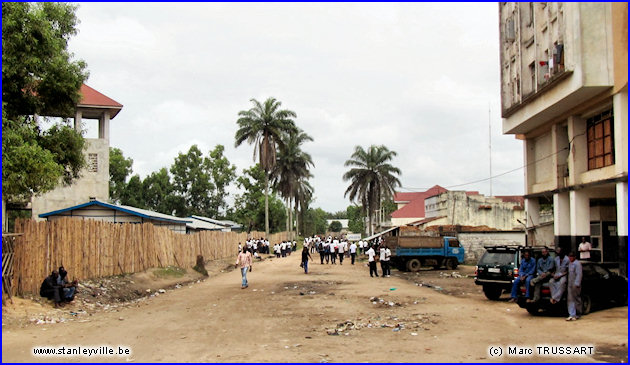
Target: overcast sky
419 78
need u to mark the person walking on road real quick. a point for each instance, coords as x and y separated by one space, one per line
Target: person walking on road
305 256
353 252
245 260
341 251
574 284
372 262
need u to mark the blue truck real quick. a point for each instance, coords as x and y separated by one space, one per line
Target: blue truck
413 252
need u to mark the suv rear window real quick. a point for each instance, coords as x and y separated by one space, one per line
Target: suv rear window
497 258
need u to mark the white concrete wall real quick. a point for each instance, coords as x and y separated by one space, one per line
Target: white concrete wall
468 210
474 242
90 184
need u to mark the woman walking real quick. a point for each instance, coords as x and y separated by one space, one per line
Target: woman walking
245 260
305 256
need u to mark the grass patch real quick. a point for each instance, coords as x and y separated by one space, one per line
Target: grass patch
169 272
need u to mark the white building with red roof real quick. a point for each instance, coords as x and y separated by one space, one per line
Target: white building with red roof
411 205
94 182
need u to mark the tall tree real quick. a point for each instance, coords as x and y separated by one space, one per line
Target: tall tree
223 174
263 126
192 184
120 168
157 192
39 77
248 206
372 178
356 219
291 169
132 193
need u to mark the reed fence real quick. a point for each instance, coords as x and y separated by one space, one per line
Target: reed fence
91 249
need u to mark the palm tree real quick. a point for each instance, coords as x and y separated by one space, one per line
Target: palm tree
372 178
292 165
263 126
303 197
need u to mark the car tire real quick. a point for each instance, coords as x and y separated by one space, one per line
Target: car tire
492 292
587 304
451 264
622 299
534 310
414 265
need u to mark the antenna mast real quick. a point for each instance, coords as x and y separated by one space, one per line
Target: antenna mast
490 146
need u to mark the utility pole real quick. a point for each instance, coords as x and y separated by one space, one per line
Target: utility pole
490 146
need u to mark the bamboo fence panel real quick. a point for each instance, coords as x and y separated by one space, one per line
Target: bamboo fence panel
91 249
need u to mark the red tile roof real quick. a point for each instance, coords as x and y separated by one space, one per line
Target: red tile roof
93 98
415 208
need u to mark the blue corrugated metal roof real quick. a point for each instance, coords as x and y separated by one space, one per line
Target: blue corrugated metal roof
123 208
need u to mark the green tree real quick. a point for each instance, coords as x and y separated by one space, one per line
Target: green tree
315 222
119 169
356 219
292 169
38 78
263 126
38 73
248 206
335 226
372 178
157 192
132 193
192 184
223 174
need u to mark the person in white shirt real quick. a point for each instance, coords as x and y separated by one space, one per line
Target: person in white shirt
334 246
371 253
283 249
585 249
353 252
385 255
341 251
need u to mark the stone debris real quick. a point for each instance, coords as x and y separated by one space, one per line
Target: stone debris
161 291
382 303
454 274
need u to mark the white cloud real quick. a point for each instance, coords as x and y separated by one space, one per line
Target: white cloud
417 78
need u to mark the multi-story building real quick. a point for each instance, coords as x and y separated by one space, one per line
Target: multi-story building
94 181
564 92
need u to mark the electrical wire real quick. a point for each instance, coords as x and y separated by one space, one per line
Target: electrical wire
412 189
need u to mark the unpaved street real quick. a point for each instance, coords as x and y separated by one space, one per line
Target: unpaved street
326 316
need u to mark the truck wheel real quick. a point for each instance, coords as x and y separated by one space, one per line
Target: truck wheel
414 265
492 292
451 264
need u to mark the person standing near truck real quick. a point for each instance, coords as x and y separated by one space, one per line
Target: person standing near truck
372 262
574 287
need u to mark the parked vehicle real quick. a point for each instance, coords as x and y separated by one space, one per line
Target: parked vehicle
600 287
496 270
498 267
413 252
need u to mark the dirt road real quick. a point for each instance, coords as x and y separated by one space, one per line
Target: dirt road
334 314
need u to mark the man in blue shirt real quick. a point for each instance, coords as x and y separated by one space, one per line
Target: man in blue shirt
544 270
525 274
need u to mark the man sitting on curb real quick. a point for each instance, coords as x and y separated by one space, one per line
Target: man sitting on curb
526 271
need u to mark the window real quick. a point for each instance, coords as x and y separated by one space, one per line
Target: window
599 136
92 162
